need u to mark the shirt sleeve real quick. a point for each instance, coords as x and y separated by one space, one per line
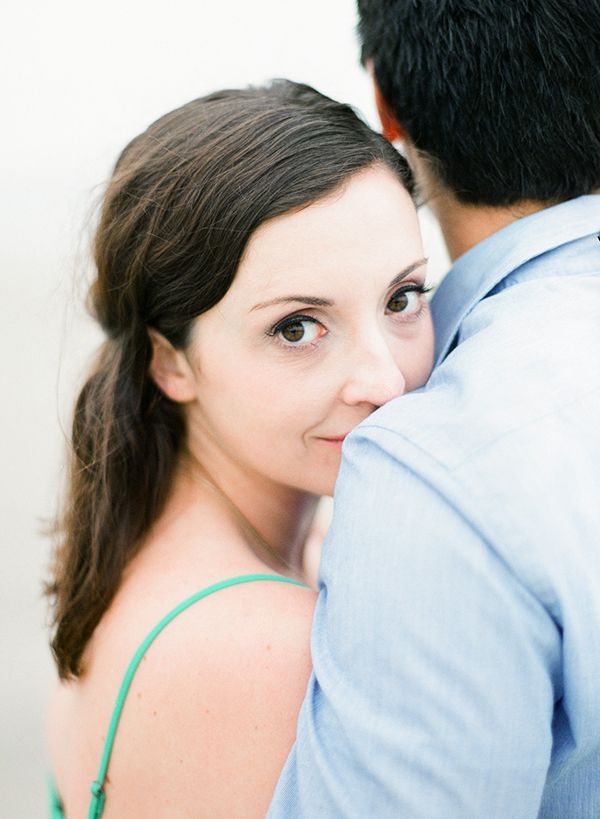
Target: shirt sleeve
435 666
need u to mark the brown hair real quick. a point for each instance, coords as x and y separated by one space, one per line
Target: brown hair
184 199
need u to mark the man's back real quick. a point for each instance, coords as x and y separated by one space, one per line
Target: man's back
456 643
472 687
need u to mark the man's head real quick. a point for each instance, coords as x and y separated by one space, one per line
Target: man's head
502 99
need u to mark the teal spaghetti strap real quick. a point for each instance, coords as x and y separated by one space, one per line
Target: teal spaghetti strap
98 795
56 811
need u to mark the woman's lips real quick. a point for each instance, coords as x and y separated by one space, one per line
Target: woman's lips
337 440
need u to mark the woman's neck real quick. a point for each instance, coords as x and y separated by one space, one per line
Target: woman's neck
273 519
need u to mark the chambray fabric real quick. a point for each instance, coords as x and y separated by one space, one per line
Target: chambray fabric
456 641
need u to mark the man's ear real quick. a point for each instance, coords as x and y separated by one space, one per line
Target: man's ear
170 369
390 127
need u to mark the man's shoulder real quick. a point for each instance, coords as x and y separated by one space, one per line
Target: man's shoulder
505 435
506 430
526 368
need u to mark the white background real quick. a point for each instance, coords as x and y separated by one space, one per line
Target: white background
78 81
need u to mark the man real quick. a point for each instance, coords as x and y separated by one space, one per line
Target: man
456 643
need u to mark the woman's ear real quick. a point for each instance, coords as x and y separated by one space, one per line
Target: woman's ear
170 369
390 127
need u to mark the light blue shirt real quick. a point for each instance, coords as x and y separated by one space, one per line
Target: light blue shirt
456 641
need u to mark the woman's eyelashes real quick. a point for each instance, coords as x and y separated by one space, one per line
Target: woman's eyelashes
406 304
298 331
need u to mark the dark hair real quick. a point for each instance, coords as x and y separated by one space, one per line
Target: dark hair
185 197
503 96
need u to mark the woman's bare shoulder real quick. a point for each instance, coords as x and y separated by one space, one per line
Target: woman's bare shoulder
213 707
256 634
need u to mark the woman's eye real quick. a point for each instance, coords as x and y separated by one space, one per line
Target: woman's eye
299 330
406 300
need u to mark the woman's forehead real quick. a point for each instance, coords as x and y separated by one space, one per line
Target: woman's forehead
365 229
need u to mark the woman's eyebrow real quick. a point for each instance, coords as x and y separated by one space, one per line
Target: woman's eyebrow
315 301
407 271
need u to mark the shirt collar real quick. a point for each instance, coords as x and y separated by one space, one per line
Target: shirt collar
484 266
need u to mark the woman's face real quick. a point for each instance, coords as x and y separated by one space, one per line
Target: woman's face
325 321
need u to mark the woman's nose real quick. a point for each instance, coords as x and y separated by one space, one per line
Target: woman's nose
374 377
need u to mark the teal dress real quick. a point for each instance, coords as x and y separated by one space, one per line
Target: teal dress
97 788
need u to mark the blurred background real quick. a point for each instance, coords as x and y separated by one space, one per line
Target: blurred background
78 82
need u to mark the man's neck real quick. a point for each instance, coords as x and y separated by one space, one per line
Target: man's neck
465 225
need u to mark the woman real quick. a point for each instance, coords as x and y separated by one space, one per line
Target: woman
260 280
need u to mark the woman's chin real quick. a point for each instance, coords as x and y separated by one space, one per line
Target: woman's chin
318 474
325 484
